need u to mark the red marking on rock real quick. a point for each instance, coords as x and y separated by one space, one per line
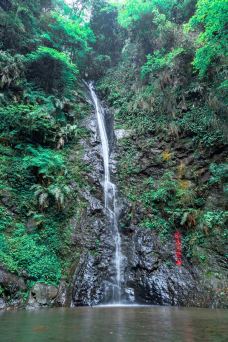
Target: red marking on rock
178 248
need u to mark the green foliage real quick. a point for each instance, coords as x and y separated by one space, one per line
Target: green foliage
128 164
5 219
71 32
49 169
20 23
21 121
159 61
28 253
214 219
132 11
47 163
211 18
58 71
40 119
44 45
58 192
31 242
219 174
108 45
168 191
170 203
59 57
203 125
11 69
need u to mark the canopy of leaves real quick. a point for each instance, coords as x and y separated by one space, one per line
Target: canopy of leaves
132 11
57 65
69 33
157 61
211 18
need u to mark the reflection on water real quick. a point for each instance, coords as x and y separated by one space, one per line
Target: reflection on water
115 324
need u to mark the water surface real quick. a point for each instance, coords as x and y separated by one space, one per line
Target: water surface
115 324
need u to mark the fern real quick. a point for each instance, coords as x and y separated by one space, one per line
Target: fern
57 192
48 163
11 69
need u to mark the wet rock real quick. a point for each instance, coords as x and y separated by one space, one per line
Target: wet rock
215 200
42 295
13 289
2 304
150 272
109 122
11 282
61 298
123 133
152 275
130 295
92 235
95 204
86 290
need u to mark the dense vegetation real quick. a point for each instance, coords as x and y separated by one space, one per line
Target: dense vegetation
161 65
169 90
44 45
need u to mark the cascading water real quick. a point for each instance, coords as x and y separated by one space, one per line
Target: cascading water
109 196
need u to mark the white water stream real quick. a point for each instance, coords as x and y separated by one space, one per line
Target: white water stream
109 195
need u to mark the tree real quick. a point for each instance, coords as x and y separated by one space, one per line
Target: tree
51 69
211 19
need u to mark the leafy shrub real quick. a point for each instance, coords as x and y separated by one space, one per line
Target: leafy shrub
128 164
159 61
26 253
11 69
5 219
211 19
58 192
25 122
133 11
75 33
51 69
214 219
201 123
46 163
219 173
158 224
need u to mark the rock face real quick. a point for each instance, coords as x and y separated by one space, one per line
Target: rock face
42 295
92 235
15 291
150 272
13 288
152 277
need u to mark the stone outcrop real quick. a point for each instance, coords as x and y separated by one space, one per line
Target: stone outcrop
12 287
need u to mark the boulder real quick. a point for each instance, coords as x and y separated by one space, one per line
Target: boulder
42 295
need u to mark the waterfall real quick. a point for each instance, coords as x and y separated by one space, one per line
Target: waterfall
110 196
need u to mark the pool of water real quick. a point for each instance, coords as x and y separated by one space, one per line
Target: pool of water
117 324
